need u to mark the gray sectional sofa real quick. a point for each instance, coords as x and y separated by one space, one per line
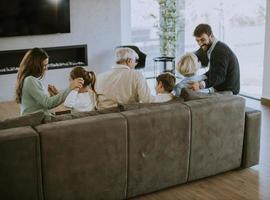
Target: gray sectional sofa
129 152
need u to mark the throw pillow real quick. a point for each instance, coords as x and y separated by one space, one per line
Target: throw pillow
32 119
188 94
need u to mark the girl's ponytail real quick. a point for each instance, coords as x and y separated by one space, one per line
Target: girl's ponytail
93 81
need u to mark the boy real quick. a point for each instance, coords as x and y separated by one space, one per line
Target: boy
164 87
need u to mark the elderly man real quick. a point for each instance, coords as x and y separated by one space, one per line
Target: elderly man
122 84
224 73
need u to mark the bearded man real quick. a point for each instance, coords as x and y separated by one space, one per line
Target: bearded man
223 73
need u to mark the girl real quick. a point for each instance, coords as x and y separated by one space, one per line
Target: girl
83 99
30 93
188 66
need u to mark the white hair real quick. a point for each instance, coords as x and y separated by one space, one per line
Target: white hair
122 54
188 64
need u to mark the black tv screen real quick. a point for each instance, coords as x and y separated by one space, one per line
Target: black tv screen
34 17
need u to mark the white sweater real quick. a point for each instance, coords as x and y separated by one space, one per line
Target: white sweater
162 97
122 85
80 102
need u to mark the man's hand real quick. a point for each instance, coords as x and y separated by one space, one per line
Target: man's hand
195 86
52 90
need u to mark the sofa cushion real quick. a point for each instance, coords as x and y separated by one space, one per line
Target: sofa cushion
133 106
75 115
188 94
20 172
217 135
32 119
159 138
85 158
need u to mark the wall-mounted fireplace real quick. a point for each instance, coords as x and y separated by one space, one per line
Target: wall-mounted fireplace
59 57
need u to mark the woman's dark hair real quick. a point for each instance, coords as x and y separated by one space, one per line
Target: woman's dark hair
201 29
31 65
89 77
167 80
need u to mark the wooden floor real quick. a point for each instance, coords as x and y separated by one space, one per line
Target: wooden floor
250 184
247 184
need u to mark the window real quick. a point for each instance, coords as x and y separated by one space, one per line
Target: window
239 24
144 17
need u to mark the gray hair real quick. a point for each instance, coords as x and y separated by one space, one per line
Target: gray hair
122 54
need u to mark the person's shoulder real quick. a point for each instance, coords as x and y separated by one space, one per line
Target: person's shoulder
221 46
30 80
221 49
103 75
136 73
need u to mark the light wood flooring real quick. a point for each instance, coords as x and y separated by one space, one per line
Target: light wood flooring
247 184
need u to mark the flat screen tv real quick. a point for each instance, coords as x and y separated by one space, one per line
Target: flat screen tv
34 17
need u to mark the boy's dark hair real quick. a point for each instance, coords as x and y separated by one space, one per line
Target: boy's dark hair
201 29
167 80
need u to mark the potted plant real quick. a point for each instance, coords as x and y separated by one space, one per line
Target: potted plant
168 27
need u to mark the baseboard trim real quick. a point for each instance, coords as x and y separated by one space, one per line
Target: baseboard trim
265 102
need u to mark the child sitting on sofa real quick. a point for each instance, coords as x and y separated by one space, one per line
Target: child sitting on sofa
164 87
188 66
83 99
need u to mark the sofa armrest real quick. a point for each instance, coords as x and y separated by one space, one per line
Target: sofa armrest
20 172
251 147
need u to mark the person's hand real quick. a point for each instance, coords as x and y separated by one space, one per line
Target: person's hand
52 90
76 84
195 86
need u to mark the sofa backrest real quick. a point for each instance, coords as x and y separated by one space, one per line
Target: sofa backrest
20 172
85 158
217 132
158 147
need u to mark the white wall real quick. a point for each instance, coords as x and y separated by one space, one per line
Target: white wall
96 23
266 72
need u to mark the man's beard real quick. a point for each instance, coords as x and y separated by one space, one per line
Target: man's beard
207 46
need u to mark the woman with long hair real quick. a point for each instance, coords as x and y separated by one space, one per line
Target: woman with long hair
84 98
30 93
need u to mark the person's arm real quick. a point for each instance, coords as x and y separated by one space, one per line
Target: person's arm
37 92
72 99
144 92
218 69
178 88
